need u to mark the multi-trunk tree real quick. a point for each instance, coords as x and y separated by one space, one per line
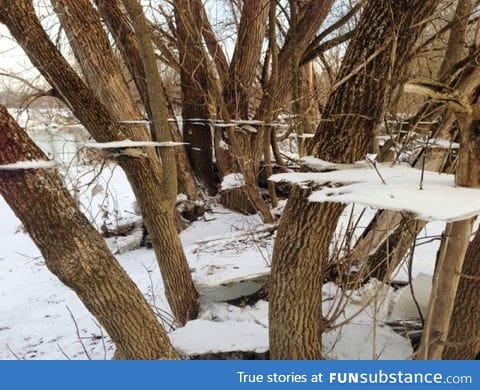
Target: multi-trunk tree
384 36
153 181
74 251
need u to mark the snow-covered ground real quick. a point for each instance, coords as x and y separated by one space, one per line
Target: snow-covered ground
40 318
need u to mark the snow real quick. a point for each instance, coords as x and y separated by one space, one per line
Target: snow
131 144
35 322
442 143
201 336
248 128
363 334
231 181
393 188
319 165
136 122
223 145
223 328
304 136
404 306
252 122
224 125
32 164
244 283
221 248
221 311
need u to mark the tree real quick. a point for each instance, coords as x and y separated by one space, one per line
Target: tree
120 27
463 341
457 234
392 248
384 35
153 183
195 87
74 251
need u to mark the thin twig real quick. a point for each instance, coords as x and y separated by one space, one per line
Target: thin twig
77 329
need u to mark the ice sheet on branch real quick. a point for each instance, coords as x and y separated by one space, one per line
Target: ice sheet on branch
29 164
131 144
393 188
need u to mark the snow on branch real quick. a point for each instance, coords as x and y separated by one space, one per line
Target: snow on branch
32 164
224 124
248 129
251 122
318 165
232 180
131 144
392 188
440 143
143 122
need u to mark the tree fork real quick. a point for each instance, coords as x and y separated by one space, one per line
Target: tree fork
145 174
75 252
344 138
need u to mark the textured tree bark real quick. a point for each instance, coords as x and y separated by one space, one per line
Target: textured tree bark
178 281
456 41
144 173
447 275
377 233
195 87
384 36
75 252
246 57
463 335
454 243
214 48
120 27
295 304
268 131
237 93
311 16
463 340
241 73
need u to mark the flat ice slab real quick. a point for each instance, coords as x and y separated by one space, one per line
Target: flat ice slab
392 188
29 164
131 144
199 337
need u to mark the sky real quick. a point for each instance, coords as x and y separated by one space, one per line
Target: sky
13 59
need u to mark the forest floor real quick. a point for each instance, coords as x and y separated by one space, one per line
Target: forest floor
40 318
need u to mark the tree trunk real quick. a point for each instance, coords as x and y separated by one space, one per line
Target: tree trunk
246 57
454 243
377 234
447 275
144 173
237 94
177 273
310 16
120 27
455 49
195 89
252 147
75 252
296 323
463 340
345 136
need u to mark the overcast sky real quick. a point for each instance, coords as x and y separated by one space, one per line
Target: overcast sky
13 59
